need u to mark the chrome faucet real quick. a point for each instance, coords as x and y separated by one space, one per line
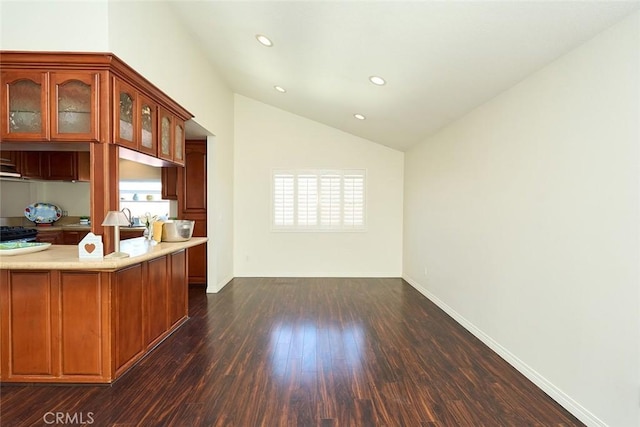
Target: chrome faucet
129 218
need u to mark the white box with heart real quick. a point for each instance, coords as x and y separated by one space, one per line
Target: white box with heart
91 247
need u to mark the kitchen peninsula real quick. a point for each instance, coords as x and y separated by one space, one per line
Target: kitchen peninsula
63 320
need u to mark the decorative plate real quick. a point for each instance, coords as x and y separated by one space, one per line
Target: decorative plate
17 248
42 213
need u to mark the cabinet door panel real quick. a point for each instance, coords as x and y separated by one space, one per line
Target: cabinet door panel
197 255
31 164
170 183
198 264
125 115
165 135
195 178
128 329
178 287
157 298
84 166
24 106
73 237
178 141
81 329
53 237
60 165
74 106
148 127
30 341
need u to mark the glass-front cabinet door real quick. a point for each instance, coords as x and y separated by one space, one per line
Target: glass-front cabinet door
125 118
148 141
165 146
178 146
24 106
74 106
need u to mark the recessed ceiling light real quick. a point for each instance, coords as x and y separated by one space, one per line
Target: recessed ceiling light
359 116
264 40
377 80
280 89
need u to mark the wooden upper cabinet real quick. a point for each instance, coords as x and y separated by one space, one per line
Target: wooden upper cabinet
194 191
125 123
30 165
50 106
87 97
61 165
169 178
171 137
135 119
54 165
24 106
75 106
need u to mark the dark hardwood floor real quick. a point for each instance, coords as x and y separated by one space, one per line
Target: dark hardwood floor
304 352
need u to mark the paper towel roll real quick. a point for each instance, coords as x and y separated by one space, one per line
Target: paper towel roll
157 231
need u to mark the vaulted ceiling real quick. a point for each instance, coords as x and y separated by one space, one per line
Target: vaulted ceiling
440 59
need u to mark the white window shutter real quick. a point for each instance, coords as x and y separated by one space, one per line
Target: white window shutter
307 200
283 200
353 200
330 207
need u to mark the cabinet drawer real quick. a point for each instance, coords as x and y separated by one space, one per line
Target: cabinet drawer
73 237
53 237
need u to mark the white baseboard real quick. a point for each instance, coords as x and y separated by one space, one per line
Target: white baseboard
219 285
545 385
367 275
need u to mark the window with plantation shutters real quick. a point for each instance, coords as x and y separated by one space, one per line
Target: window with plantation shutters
318 200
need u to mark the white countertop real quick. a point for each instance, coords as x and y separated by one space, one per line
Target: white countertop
78 227
65 257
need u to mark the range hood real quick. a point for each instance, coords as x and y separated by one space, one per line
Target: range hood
8 169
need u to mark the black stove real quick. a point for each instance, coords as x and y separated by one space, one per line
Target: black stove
17 234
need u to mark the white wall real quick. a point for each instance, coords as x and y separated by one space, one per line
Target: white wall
14 197
72 197
268 138
525 214
134 170
148 37
71 26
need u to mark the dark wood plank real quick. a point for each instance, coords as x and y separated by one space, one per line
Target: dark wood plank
306 352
